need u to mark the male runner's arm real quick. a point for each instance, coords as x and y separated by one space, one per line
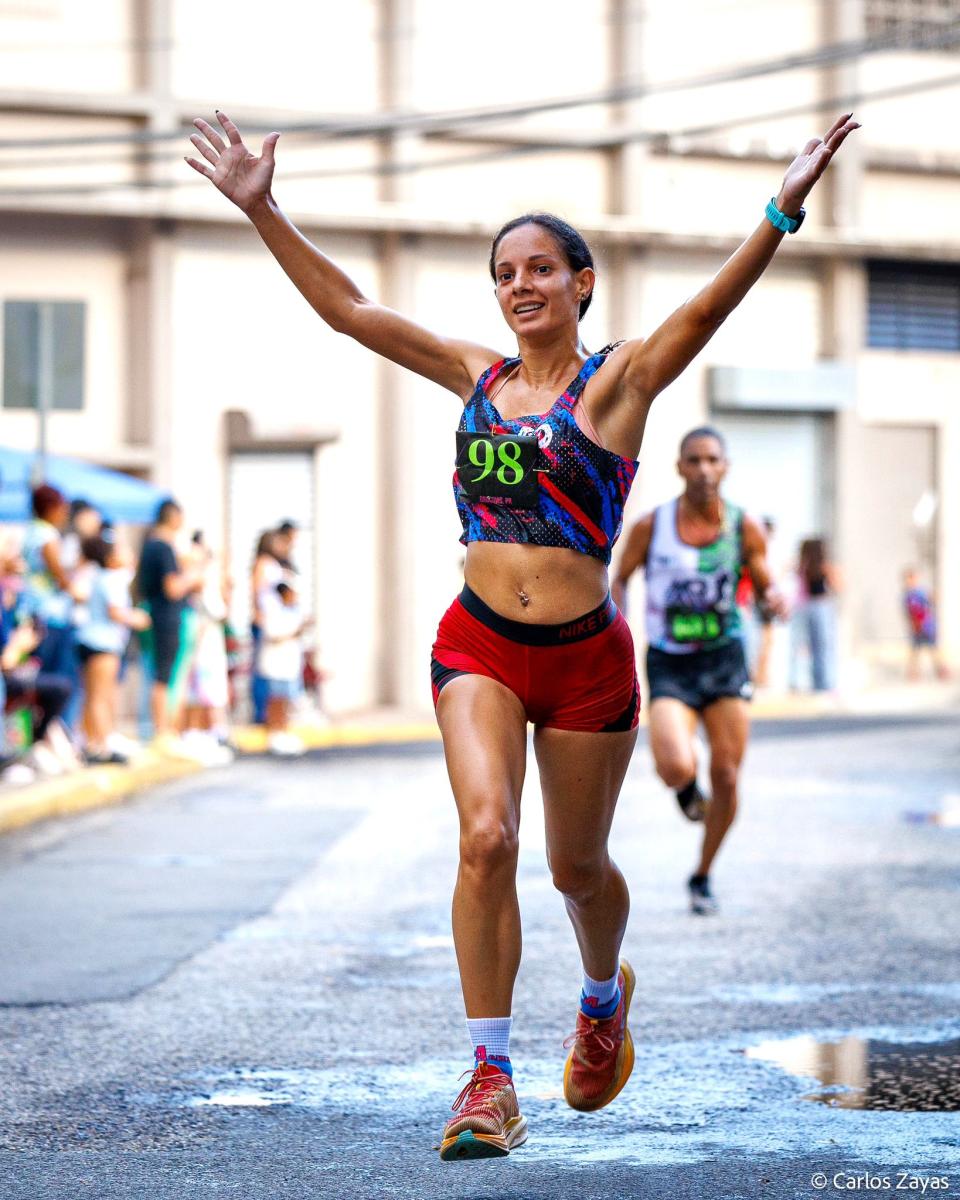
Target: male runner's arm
634 556
246 180
767 593
643 368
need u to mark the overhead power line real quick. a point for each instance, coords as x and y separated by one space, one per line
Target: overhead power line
412 122
830 105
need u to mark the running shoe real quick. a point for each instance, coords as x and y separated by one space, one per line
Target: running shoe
488 1123
702 900
601 1053
692 801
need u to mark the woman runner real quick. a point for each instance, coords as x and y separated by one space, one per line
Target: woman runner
546 453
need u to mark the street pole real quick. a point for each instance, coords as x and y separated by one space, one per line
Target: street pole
44 389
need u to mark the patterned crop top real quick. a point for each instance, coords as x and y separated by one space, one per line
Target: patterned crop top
538 479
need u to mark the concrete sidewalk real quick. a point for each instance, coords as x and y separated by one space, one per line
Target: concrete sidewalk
99 786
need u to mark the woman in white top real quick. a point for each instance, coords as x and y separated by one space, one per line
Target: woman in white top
101 641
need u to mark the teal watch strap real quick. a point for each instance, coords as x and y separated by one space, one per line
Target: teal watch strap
780 220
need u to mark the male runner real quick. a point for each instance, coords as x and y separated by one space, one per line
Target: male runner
694 550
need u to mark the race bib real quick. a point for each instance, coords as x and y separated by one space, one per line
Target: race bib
689 625
498 468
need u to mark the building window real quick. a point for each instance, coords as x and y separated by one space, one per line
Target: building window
915 24
43 354
913 306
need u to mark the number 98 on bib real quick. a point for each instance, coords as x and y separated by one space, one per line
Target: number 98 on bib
498 468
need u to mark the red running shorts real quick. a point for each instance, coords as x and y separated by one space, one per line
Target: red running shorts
581 675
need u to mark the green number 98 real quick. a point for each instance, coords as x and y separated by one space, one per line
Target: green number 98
482 456
486 448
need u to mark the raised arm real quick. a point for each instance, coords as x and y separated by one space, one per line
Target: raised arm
634 555
755 560
246 180
645 368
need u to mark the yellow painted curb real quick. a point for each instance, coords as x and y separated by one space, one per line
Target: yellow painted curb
252 739
91 787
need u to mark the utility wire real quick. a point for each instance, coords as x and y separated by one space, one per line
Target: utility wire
639 14
382 124
831 105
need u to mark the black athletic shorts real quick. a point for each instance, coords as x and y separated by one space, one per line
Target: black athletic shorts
166 643
700 678
85 653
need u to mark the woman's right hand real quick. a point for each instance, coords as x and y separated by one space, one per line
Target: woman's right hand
240 175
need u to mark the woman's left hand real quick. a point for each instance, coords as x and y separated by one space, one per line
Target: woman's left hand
811 163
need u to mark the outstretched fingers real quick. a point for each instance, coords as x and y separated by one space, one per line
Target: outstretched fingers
837 137
204 147
232 132
198 166
269 146
210 134
837 125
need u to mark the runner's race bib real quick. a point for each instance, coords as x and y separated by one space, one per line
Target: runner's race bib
691 625
498 468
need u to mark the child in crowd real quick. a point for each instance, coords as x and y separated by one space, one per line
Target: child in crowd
101 641
922 621
281 664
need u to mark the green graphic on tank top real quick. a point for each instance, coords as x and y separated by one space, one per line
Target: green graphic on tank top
703 609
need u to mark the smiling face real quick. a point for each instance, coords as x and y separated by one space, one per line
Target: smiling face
702 465
538 292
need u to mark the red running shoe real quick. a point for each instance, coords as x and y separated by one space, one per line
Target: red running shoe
601 1053
488 1122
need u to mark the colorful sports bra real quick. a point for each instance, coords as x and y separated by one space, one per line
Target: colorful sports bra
538 479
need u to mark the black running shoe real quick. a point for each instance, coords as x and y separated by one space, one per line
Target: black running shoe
702 900
693 803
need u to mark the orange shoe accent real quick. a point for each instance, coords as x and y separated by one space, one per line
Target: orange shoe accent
601 1053
489 1123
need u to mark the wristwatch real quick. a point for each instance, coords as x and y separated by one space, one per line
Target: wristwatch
780 220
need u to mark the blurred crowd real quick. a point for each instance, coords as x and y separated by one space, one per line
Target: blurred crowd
92 633
813 585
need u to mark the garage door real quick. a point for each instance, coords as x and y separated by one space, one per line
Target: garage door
781 466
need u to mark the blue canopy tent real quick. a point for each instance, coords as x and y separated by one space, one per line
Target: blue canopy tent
119 497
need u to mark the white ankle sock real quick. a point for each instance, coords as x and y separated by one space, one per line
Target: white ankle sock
490 1033
600 991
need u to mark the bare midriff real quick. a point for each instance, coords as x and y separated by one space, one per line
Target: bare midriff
542 585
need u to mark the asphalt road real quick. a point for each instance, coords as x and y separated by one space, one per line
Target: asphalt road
243 985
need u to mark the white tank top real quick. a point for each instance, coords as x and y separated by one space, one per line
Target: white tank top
691 590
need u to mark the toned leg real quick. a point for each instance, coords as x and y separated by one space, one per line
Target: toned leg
727 723
672 726
88 720
159 708
761 675
484 730
580 776
100 683
276 714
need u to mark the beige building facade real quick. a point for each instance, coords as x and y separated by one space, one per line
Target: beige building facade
411 130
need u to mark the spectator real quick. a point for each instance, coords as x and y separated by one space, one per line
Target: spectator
207 684
84 522
267 572
814 616
163 587
41 694
48 594
285 540
101 641
281 664
922 624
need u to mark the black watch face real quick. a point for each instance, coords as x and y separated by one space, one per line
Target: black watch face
799 219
